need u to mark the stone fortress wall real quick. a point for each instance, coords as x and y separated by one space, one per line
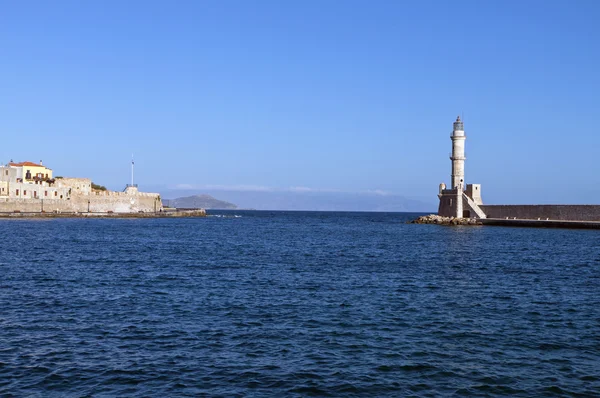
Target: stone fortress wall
123 203
71 195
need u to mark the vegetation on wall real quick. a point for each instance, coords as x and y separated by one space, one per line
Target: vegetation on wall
98 187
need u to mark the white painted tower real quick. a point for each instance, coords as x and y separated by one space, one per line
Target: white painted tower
455 201
458 137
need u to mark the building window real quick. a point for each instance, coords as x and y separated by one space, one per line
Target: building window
45 193
6 172
35 194
55 193
24 192
17 192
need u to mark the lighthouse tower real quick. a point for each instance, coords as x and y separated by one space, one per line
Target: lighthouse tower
456 201
458 155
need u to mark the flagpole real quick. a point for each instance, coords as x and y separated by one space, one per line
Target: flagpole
132 170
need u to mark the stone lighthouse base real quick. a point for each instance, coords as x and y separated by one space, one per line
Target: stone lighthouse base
460 204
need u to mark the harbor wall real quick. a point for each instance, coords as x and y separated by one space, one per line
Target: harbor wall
117 202
551 212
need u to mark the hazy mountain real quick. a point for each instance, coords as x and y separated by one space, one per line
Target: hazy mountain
323 201
199 202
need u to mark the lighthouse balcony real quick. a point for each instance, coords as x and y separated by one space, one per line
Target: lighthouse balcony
449 191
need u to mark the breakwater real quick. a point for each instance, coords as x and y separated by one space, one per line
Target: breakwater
543 212
507 222
541 223
440 220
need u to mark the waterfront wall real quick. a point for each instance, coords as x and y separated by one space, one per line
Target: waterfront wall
117 203
551 212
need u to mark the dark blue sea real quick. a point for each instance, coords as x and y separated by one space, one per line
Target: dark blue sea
245 303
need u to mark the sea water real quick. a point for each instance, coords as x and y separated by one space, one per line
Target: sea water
245 303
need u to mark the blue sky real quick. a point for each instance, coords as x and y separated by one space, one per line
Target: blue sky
350 96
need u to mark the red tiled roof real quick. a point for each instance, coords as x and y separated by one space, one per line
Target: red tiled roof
30 164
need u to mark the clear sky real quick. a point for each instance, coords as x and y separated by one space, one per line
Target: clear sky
307 95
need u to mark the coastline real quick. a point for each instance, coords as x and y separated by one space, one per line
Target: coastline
162 214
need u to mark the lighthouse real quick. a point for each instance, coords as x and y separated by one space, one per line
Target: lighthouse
458 155
455 201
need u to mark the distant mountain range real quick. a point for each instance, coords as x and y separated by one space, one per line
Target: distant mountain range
199 202
323 201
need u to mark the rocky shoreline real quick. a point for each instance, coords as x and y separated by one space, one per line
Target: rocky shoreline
439 220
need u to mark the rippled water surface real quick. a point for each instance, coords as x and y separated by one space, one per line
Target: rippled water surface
296 304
